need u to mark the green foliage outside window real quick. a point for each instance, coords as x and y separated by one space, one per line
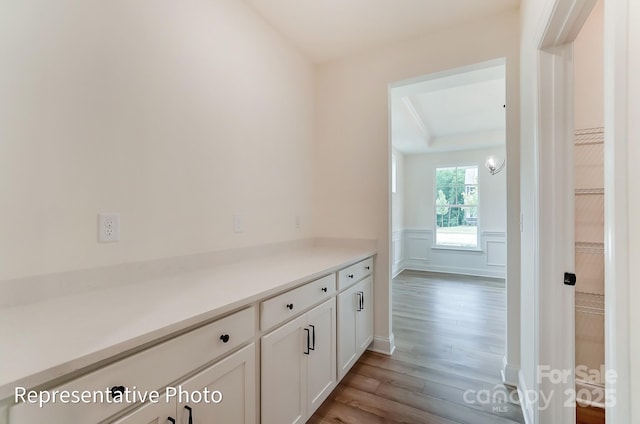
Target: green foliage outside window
457 196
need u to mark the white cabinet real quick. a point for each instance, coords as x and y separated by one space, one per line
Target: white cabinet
287 305
298 366
321 361
355 323
152 413
149 370
223 393
305 351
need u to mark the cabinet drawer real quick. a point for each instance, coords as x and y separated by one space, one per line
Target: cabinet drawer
354 273
149 370
286 305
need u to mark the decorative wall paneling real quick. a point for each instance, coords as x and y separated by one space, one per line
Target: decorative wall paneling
414 249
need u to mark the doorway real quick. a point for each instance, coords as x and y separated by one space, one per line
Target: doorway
433 230
556 241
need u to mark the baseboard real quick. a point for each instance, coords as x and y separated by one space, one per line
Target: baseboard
509 373
525 401
474 272
590 394
397 270
383 345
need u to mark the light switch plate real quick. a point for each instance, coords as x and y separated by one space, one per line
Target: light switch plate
238 223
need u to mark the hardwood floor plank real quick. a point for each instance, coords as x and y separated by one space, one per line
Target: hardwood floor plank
342 413
386 408
589 415
393 378
458 412
450 335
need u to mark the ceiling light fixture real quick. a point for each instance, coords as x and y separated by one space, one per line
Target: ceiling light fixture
494 165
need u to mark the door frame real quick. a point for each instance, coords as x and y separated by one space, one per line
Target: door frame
555 212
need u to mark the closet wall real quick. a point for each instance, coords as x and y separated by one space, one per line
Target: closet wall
589 202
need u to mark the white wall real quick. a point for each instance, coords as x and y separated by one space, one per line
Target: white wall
352 154
633 196
397 215
175 114
531 16
629 149
490 261
398 198
588 59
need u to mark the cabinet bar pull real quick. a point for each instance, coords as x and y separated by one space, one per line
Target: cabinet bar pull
188 408
224 338
308 347
171 420
290 306
359 301
362 301
313 337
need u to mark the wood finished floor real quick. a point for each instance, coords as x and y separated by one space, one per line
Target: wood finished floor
449 341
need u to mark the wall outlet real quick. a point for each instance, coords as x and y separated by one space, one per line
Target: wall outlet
238 223
108 227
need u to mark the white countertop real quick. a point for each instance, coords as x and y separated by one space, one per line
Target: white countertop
53 337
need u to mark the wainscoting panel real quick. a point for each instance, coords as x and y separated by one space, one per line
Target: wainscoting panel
397 252
421 255
418 243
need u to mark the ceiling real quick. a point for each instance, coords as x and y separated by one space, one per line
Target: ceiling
325 30
459 111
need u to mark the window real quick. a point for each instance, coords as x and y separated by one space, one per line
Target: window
456 205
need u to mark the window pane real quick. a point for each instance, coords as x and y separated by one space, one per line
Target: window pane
456 205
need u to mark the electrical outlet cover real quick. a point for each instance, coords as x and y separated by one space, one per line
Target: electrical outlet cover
108 227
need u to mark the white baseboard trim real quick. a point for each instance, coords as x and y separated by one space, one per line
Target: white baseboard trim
525 402
510 374
590 394
383 345
398 270
475 272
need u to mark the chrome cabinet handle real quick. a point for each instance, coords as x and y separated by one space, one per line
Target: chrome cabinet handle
313 337
308 341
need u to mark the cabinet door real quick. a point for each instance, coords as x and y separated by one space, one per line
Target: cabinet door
347 305
283 383
151 413
321 361
222 393
364 315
